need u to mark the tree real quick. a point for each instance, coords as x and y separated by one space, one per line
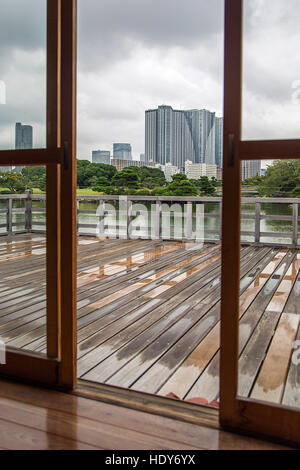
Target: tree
205 186
254 181
296 192
216 183
281 179
181 186
34 177
127 178
87 172
13 181
151 177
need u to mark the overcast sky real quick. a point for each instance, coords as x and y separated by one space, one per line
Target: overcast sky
137 54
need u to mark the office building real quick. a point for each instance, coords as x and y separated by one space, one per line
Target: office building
101 156
174 136
23 136
250 169
23 139
219 123
123 151
120 163
195 171
169 171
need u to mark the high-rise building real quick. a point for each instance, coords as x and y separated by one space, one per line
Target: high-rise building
250 169
121 163
122 151
219 141
169 171
24 136
202 124
194 171
174 136
101 156
23 139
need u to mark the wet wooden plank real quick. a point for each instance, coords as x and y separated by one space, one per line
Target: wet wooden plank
269 385
70 416
149 297
207 385
160 318
255 351
192 297
180 292
291 395
177 354
196 363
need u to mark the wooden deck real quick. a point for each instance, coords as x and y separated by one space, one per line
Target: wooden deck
149 314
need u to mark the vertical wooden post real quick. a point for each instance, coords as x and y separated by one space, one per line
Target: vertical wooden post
129 218
77 216
68 364
188 221
257 221
230 289
221 221
295 224
9 216
28 212
156 231
53 248
101 213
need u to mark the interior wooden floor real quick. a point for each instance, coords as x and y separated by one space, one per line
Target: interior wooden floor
39 419
149 315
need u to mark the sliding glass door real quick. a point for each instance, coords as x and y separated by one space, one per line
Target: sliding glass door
260 330
38 209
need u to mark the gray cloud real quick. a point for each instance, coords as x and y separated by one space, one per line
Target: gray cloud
137 54
22 25
108 29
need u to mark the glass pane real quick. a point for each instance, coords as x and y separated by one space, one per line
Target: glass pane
23 259
271 81
150 101
269 329
22 74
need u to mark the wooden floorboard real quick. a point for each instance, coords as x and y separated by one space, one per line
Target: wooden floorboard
39 419
149 314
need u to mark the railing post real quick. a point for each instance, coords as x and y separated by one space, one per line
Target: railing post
9 215
129 218
77 216
28 211
157 229
221 216
188 222
257 221
295 224
101 213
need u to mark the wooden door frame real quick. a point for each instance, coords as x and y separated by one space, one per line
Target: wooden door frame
238 413
59 369
59 157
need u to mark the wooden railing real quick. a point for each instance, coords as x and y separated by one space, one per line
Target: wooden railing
155 209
